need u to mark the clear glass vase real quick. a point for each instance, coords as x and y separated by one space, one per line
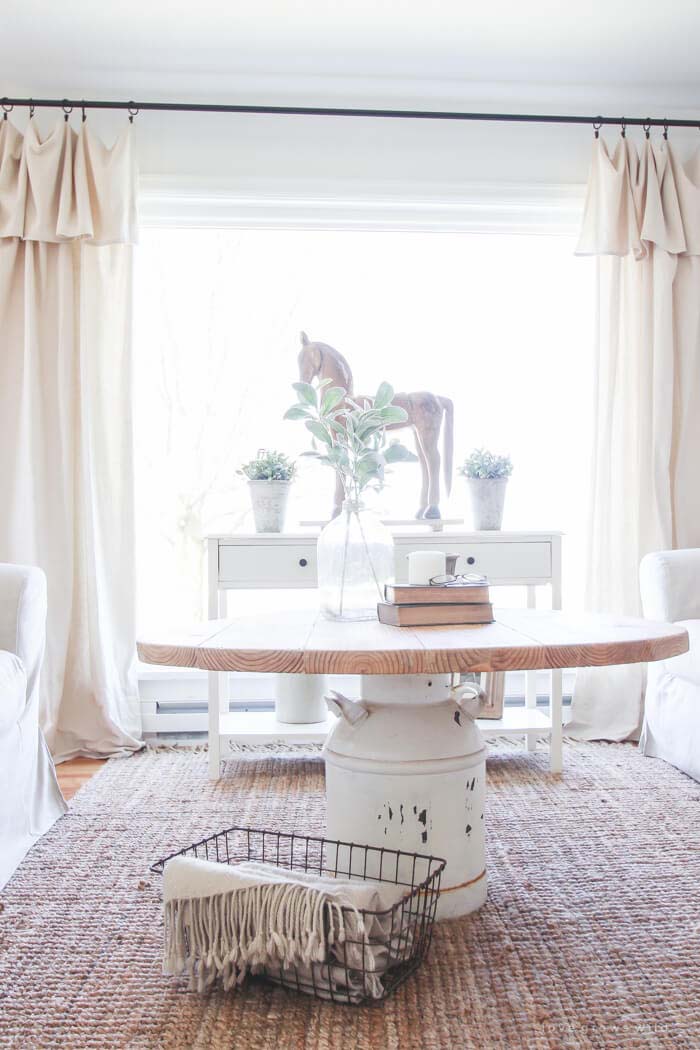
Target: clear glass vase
355 561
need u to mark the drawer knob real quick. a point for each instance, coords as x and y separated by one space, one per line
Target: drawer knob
303 562
470 561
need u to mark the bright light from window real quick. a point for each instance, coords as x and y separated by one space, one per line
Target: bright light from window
502 324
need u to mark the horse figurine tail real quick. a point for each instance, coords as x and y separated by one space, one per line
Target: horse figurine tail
448 439
304 338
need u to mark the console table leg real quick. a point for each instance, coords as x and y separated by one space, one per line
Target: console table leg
214 705
531 679
557 731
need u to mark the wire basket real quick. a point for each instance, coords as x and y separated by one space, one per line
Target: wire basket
393 942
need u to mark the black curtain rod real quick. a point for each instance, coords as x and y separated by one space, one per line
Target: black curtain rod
68 105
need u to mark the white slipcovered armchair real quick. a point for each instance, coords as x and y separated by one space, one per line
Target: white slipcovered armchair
670 586
30 798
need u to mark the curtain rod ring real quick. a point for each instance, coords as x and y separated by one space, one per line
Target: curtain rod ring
84 113
67 109
647 126
6 109
666 130
623 128
32 107
597 125
132 112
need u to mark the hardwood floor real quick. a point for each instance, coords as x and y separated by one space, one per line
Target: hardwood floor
76 772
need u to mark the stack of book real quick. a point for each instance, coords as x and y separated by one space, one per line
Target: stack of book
426 605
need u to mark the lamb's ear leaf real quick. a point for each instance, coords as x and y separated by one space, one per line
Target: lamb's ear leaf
398 453
393 414
339 457
307 393
372 416
384 395
369 455
297 412
368 430
362 405
318 430
331 397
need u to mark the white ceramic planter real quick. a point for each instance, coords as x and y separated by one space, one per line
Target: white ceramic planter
269 500
487 496
300 698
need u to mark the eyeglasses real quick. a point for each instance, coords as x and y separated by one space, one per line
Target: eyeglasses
449 579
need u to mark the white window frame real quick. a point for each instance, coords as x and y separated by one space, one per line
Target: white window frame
188 202
324 205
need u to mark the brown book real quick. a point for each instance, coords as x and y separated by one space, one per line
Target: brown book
433 615
425 594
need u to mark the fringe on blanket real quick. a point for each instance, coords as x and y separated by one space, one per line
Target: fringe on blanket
231 934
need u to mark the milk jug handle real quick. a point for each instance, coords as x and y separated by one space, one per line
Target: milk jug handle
468 698
352 711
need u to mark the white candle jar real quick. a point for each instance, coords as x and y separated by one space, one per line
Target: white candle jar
423 565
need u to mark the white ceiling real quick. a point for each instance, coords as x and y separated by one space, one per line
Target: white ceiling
592 52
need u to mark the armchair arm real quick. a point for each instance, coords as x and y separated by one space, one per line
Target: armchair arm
670 585
23 618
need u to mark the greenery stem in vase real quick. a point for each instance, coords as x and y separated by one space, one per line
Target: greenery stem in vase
355 550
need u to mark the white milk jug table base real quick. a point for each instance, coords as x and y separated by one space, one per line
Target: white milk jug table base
405 760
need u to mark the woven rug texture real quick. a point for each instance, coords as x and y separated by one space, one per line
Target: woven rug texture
590 937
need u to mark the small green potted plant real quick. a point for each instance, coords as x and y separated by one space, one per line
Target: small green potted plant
270 476
487 476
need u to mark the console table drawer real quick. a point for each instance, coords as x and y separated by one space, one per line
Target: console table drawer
497 560
294 564
279 565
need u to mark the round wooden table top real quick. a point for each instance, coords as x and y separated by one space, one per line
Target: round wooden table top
302 642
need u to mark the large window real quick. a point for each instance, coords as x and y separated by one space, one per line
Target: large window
500 323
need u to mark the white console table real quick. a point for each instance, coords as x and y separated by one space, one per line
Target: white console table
288 560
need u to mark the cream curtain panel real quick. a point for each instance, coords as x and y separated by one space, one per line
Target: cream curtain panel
67 223
642 219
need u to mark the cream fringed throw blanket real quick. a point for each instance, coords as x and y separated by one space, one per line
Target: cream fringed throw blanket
230 920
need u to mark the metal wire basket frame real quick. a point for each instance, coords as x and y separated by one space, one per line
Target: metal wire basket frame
395 940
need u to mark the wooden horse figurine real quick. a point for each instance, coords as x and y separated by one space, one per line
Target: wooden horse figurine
426 413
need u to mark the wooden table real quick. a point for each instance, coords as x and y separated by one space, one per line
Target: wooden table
407 692
302 642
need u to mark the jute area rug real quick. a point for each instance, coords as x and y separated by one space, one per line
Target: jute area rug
590 937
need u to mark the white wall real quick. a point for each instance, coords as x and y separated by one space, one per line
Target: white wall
351 149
